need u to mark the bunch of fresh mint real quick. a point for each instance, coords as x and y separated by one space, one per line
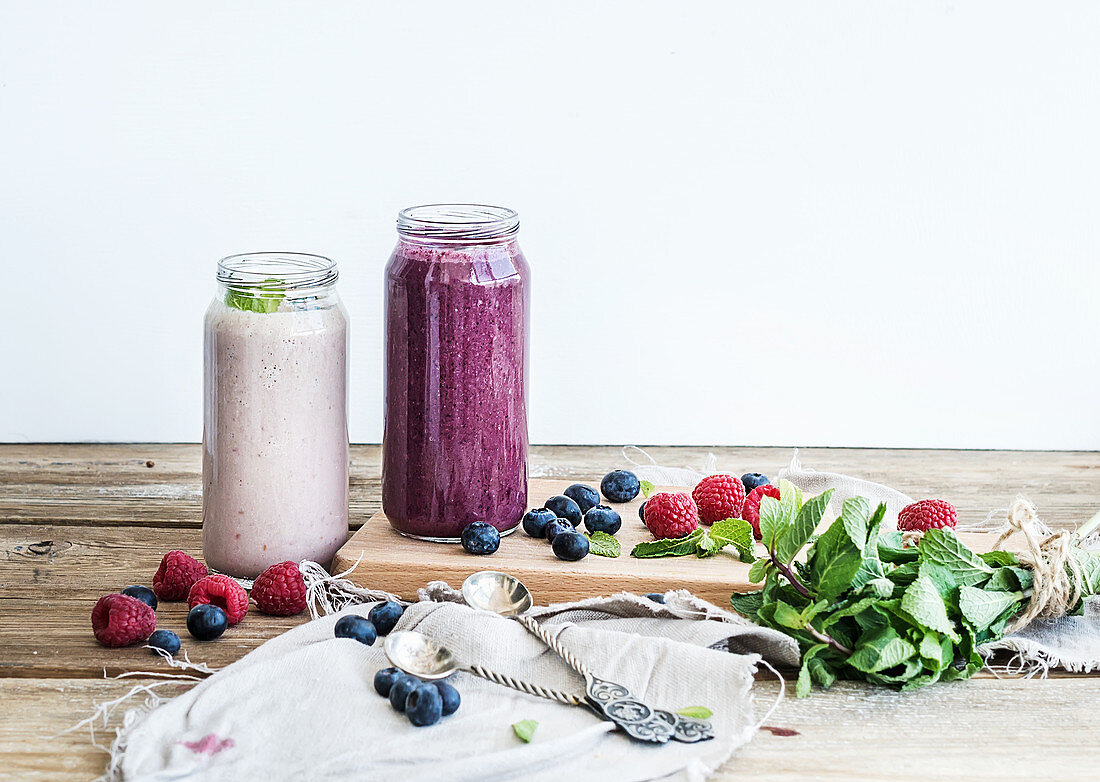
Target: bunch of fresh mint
862 606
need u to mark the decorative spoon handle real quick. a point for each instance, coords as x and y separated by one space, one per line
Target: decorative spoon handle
527 687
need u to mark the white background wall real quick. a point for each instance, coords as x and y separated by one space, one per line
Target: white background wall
759 223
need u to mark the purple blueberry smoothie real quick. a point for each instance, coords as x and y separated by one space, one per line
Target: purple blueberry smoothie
457 304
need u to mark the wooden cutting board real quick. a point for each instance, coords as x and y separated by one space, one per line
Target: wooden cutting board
401 565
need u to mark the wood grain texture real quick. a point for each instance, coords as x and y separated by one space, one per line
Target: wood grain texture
77 521
380 558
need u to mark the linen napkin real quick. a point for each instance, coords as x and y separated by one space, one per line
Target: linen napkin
303 705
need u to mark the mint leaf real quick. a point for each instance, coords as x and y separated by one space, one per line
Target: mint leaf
747 603
802 688
696 712
525 729
736 533
775 519
880 651
667 547
265 300
999 558
922 601
603 545
790 495
759 569
856 513
647 488
787 616
834 560
707 546
805 523
944 548
981 608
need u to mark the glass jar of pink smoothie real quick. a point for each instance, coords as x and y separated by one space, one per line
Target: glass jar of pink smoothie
275 436
457 309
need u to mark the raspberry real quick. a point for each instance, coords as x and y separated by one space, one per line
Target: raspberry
750 511
223 592
719 497
926 514
121 620
177 573
280 590
671 515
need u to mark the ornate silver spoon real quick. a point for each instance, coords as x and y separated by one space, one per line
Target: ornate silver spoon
504 594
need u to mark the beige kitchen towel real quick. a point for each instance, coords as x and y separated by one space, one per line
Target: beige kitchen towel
303 705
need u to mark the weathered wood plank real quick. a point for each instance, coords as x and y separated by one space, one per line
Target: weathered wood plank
983 730
110 484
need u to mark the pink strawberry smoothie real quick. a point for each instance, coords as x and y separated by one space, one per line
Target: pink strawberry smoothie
275 440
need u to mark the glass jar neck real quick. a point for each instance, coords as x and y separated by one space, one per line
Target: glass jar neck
277 276
457 224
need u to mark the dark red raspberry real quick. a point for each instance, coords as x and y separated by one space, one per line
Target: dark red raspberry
121 620
177 573
280 590
670 515
223 592
719 497
750 511
927 514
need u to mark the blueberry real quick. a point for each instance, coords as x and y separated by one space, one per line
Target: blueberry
641 511
385 615
656 597
384 680
357 627
620 486
565 508
753 479
570 546
480 538
585 496
399 691
164 640
557 527
535 521
424 705
206 622
450 696
144 594
601 518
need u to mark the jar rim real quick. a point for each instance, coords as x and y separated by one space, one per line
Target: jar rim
458 222
277 270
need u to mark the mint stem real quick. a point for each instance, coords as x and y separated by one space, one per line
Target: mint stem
788 573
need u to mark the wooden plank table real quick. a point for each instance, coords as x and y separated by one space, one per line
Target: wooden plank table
79 521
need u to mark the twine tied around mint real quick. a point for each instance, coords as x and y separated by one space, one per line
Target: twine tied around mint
1059 578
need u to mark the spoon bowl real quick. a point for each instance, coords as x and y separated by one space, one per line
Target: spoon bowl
418 655
497 593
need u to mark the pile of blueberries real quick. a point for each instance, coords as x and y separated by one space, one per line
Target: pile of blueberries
558 519
421 701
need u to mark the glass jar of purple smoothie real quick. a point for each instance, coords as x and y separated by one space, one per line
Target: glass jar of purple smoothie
457 310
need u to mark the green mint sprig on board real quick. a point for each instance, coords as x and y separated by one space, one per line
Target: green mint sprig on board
862 606
703 542
266 300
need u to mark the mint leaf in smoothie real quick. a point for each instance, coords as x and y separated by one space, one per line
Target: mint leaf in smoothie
525 730
603 545
265 300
